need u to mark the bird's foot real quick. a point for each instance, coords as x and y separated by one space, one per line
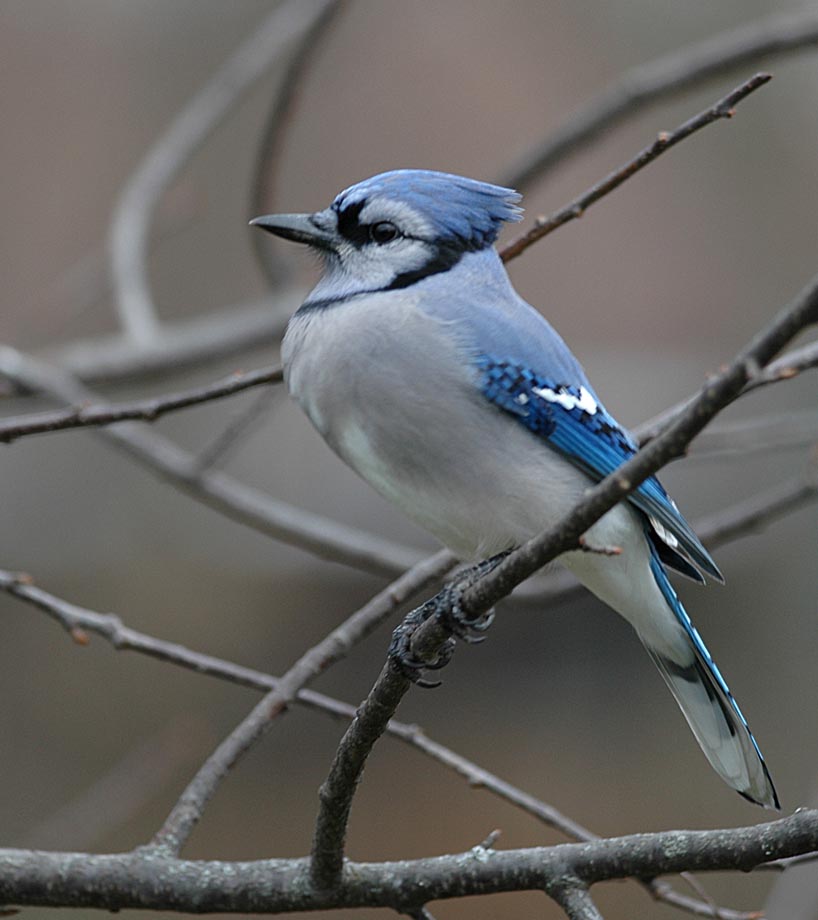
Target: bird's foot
446 607
400 649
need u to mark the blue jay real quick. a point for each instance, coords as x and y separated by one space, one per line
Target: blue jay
425 371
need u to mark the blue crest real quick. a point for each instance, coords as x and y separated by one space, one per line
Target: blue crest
460 209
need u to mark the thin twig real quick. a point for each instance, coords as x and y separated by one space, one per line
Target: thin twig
776 431
666 76
128 241
237 429
662 891
146 410
316 534
724 108
781 865
189 808
787 367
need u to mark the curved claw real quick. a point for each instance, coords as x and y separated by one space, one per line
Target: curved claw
400 651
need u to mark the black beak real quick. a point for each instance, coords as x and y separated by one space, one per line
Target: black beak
301 228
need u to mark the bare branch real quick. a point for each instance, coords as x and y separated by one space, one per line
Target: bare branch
338 789
226 332
188 810
241 426
149 880
662 891
742 519
786 367
251 507
667 76
724 108
776 431
146 410
129 230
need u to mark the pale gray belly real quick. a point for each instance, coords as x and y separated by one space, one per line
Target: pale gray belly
398 403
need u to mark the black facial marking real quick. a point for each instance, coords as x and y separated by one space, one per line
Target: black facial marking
349 226
446 256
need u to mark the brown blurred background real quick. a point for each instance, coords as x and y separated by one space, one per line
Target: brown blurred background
654 288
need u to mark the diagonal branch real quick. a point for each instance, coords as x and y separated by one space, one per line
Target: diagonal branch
666 76
724 108
786 367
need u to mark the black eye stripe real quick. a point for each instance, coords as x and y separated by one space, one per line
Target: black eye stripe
349 225
352 230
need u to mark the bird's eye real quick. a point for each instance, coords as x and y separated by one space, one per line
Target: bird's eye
383 232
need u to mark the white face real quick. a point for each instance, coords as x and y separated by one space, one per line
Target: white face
374 245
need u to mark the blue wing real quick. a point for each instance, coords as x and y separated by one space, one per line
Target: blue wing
576 424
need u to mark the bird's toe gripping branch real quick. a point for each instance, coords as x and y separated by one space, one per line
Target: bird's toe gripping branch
446 608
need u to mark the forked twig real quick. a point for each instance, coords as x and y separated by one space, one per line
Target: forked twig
724 108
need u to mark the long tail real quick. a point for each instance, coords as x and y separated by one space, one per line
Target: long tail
708 705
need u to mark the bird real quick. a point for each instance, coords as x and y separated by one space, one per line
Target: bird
427 373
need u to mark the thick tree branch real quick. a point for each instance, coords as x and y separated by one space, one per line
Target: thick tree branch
149 880
724 108
666 76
